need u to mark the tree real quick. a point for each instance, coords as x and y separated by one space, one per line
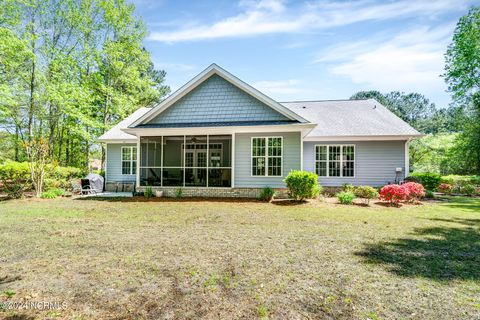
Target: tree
69 70
414 108
462 75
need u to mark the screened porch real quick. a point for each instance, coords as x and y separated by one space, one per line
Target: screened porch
186 161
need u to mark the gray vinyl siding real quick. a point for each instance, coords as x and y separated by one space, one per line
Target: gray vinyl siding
217 100
114 164
243 160
375 162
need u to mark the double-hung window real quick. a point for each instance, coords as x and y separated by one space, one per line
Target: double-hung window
335 160
129 160
267 156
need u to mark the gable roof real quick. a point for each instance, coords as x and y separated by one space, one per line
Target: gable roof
117 134
337 118
212 70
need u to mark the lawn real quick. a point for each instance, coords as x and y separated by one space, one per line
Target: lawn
220 260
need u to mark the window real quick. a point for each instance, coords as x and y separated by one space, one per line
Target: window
267 156
129 160
335 160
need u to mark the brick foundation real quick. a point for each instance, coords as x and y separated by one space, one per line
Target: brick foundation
190 192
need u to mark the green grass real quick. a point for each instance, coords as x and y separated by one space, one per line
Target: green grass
217 259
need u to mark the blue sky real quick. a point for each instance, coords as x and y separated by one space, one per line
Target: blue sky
296 50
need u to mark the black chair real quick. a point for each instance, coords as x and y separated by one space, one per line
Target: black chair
86 188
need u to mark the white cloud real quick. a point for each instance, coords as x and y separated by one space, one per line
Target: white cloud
271 88
410 61
273 16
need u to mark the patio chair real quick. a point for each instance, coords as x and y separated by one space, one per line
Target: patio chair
86 188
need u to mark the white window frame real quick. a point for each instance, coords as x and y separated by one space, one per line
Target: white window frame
341 159
132 150
266 156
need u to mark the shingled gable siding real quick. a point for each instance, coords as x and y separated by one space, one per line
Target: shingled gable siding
243 160
217 100
114 163
375 162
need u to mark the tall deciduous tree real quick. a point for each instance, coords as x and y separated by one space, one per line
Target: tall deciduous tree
462 74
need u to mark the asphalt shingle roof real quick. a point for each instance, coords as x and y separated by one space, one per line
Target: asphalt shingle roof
350 118
116 133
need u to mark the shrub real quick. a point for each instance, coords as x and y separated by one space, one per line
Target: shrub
348 187
413 179
345 197
394 193
429 194
366 192
179 193
445 188
469 189
267 194
48 195
148 193
430 180
15 178
302 185
454 179
58 191
415 191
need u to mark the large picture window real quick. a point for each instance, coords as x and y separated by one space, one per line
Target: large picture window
267 156
335 160
129 160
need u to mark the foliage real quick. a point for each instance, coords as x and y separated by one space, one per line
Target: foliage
348 187
69 71
148 193
455 179
462 75
429 194
366 192
57 191
416 191
15 178
179 193
345 197
50 194
430 180
267 194
394 193
302 185
445 188
37 155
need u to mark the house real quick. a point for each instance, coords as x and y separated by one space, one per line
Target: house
219 136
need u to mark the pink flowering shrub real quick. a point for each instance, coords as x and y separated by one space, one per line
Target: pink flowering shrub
445 188
394 193
416 191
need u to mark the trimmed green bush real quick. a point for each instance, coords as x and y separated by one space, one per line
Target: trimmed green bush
454 179
302 185
58 191
48 194
345 197
429 194
430 180
348 187
366 193
267 194
15 178
148 193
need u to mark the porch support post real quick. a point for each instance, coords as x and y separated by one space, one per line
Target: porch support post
232 162
301 150
138 162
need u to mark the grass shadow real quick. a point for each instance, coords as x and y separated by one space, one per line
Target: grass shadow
288 202
438 253
464 203
167 199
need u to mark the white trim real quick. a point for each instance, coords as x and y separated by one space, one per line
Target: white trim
131 160
204 75
301 152
232 161
137 178
303 127
341 160
106 163
360 138
117 141
266 156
